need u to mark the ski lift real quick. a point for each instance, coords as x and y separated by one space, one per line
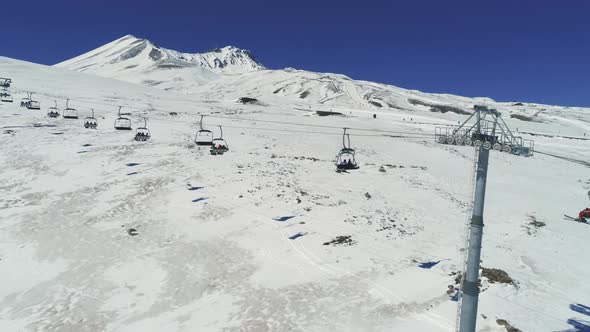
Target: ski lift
53 111
122 123
345 160
204 136
32 104
142 134
24 102
219 145
90 122
5 82
5 96
70 113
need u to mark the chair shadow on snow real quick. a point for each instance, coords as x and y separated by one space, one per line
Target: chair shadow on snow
283 218
578 325
580 308
428 265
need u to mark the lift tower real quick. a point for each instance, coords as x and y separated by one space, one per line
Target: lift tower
485 130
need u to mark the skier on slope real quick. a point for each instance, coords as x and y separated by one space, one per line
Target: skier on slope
584 214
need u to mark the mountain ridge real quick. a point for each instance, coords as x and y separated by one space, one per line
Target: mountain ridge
133 51
230 73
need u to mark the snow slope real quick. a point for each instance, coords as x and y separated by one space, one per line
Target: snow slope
210 257
230 73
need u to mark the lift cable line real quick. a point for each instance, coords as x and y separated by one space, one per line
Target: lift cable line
392 134
568 159
487 132
314 125
317 132
258 120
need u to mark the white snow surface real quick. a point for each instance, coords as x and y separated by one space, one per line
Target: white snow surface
223 263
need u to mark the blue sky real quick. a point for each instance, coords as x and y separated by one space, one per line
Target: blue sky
529 50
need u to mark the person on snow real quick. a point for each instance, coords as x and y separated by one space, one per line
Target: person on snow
584 214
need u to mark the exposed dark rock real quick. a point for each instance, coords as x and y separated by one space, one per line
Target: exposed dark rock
439 108
445 109
247 100
133 52
497 276
304 94
524 118
171 66
156 54
418 102
507 326
345 240
327 113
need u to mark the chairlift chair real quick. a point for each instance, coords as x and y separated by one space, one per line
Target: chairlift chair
345 159
142 134
5 82
90 122
53 112
70 113
204 136
24 102
219 145
32 104
122 123
5 96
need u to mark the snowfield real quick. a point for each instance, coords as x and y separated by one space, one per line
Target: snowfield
370 250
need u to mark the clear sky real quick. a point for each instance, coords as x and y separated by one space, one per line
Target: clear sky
526 50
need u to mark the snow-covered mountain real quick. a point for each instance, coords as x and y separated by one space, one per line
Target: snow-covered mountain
141 61
99 232
230 73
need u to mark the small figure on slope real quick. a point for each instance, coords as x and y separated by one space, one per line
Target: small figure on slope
584 215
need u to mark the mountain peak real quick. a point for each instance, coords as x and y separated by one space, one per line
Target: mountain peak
130 52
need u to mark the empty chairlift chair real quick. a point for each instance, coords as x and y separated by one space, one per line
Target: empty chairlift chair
5 96
345 159
90 122
69 112
142 134
219 145
204 136
32 104
53 112
122 122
